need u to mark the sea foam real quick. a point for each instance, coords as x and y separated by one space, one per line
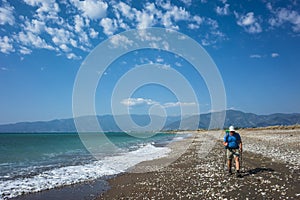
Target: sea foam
75 174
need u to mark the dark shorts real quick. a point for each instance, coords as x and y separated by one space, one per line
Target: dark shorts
232 153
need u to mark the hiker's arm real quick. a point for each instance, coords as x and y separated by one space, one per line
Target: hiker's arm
241 146
225 143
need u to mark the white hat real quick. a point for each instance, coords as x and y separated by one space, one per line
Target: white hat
231 128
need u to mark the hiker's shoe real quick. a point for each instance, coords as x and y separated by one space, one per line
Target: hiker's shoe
238 175
229 173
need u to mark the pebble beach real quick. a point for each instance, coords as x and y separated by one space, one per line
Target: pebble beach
270 170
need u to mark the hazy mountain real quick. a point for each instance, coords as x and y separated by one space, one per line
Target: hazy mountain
244 120
108 123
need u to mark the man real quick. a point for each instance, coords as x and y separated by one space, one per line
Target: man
234 146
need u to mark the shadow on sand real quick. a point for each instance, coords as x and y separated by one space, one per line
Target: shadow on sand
257 170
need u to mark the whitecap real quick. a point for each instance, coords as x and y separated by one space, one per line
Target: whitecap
75 174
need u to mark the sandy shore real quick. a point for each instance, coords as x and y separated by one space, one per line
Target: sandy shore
195 170
270 170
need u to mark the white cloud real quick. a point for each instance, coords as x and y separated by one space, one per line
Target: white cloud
214 35
3 69
6 45
145 60
93 9
212 23
205 42
151 15
177 104
84 48
93 33
6 15
165 5
39 3
165 45
73 43
187 2
84 39
126 10
269 6
120 41
32 40
122 23
274 55
35 26
147 36
173 14
274 22
254 28
179 13
47 9
59 35
73 56
145 20
130 102
25 50
109 26
198 19
248 22
211 33
284 15
79 23
193 26
137 101
64 47
178 64
165 67
223 10
255 56
159 59
167 22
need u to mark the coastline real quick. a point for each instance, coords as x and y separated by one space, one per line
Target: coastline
268 173
87 189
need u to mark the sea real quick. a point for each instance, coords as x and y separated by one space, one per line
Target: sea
33 162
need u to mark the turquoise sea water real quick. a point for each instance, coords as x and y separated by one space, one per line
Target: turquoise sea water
39 161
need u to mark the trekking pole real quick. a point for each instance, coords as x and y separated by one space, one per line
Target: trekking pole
225 163
241 161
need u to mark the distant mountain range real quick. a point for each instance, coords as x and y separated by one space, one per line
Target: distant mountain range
107 122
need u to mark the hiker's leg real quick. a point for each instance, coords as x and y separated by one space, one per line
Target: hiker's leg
237 159
229 161
237 167
237 163
229 158
229 165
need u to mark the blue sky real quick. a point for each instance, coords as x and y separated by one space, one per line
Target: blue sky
255 45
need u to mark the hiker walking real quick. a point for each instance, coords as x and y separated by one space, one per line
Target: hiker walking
234 148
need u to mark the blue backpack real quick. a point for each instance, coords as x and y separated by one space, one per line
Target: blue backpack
227 135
